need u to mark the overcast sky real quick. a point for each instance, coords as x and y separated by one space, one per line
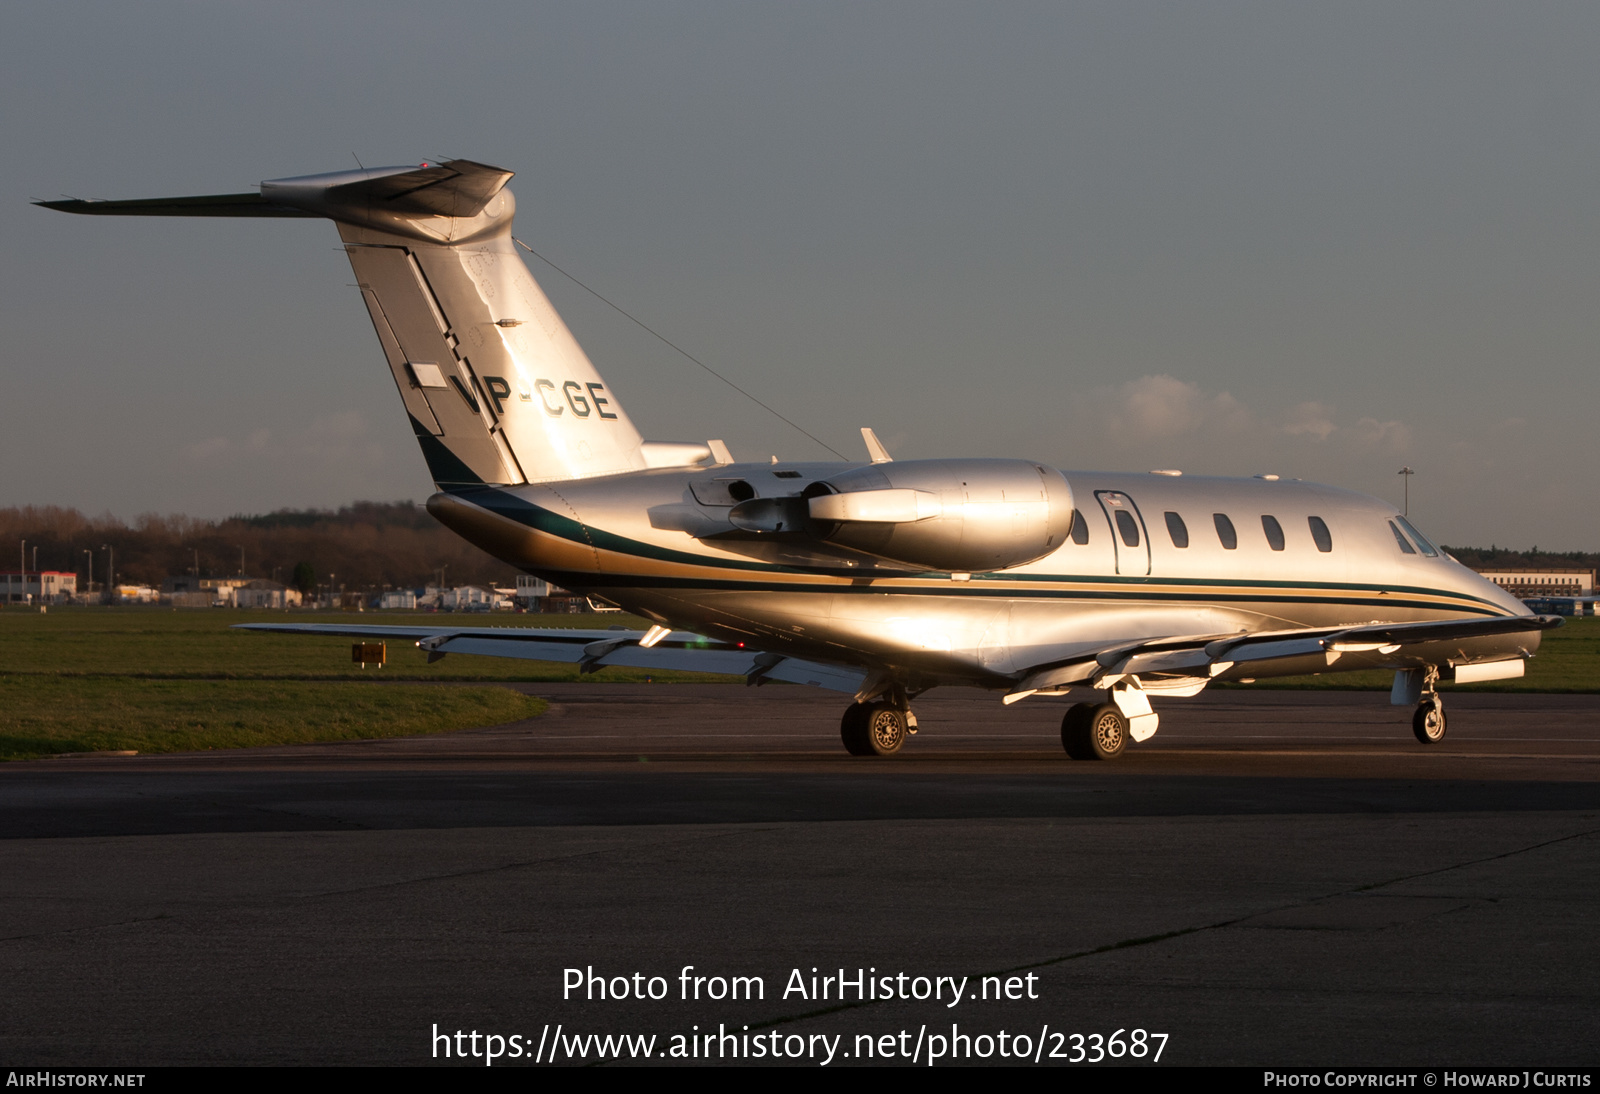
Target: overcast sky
1321 240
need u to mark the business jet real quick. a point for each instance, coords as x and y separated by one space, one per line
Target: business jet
878 579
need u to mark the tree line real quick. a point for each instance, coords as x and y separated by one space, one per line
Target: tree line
365 545
1492 557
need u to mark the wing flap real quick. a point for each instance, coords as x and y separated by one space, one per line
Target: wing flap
1206 656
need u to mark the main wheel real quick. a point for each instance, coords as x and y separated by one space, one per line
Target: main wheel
886 729
1074 731
1428 721
853 729
1094 732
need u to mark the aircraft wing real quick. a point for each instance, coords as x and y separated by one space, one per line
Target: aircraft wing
683 651
1183 665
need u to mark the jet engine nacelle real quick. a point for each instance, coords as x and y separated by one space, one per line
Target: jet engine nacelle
956 515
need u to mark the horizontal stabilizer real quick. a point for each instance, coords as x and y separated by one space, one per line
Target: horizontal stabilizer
208 205
457 188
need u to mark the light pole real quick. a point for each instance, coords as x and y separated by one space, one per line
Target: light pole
24 565
111 570
241 560
88 571
1406 473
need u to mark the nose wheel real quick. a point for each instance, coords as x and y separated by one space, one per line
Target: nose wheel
1428 721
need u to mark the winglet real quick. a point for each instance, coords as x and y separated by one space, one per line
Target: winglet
875 449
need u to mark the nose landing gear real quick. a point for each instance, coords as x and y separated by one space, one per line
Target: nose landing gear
1421 686
1428 721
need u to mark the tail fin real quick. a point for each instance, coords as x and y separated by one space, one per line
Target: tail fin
497 388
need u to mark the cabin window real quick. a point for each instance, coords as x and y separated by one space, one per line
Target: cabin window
1225 532
1177 530
1080 528
1419 539
1401 540
1274 532
1128 527
1320 533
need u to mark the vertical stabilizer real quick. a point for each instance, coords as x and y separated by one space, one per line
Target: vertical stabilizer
497 389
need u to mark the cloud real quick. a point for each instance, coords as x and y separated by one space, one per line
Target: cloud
1164 406
331 444
1372 435
1313 420
1165 409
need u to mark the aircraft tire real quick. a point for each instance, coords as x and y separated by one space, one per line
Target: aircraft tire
1094 732
853 729
885 729
1074 731
1428 722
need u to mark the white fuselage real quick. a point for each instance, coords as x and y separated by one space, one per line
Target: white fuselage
649 543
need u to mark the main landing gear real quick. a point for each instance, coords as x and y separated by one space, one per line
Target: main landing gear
875 729
1094 731
1102 731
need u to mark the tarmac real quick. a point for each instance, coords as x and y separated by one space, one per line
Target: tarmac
1276 878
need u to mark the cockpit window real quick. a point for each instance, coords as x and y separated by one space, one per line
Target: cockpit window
1320 533
1177 530
1225 532
1274 532
1128 527
1421 540
1080 529
1401 540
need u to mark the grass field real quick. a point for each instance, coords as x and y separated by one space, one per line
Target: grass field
42 715
158 680
160 643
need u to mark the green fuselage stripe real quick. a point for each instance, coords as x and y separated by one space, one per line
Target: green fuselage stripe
1135 588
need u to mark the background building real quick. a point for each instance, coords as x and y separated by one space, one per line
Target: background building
38 587
1528 584
1560 592
189 591
262 593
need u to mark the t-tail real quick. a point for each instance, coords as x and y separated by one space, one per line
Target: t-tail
497 389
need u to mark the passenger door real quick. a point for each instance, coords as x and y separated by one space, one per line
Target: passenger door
1128 533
